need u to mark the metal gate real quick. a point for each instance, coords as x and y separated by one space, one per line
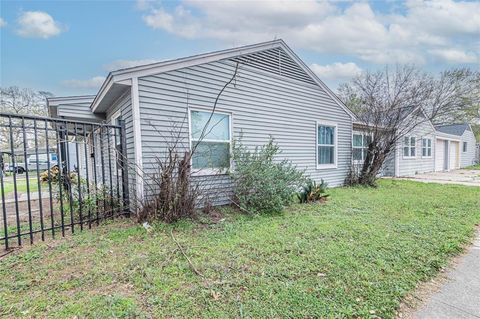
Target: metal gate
58 176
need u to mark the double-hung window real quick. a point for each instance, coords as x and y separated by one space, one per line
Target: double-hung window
360 146
326 145
426 147
210 140
409 146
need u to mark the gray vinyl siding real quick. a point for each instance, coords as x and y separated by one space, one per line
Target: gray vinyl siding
262 104
467 158
124 103
388 168
78 109
418 164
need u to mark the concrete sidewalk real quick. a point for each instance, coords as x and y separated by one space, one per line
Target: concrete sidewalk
459 297
468 177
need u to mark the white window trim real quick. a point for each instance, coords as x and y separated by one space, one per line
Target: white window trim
335 144
209 171
410 147
113 118
431 147
363 134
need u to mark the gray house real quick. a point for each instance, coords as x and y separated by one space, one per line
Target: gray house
466 142
424 149
273 93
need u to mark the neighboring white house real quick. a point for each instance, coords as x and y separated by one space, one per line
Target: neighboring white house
273 94
465 146
425 149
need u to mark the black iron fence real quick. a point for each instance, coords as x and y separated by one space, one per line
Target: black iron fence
58 176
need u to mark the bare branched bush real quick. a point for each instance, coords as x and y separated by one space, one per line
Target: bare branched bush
174 196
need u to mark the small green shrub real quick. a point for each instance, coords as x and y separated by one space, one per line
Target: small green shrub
313 192
263 184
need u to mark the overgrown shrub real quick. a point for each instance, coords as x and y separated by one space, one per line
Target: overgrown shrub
172 194
313 192
261 183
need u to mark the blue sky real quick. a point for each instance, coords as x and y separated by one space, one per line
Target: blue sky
67 47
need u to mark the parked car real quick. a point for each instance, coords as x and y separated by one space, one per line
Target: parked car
19 168
43 161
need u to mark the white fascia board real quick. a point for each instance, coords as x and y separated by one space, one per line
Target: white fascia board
107 84
165 66
162 67
445 136
424 114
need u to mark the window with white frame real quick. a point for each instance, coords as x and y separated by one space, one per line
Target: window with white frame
360 146
210 140
409 146
326 144
464 147
426 147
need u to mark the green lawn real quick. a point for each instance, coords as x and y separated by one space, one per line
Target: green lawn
355 256
476 166
8 185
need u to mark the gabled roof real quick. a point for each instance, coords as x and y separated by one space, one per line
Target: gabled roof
453 129
117 80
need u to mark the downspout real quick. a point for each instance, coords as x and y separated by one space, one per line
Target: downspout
397 161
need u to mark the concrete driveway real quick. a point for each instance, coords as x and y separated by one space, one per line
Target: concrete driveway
467 177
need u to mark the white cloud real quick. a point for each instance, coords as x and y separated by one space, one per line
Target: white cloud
407 36
123 64
455 56
2 23
93 83
159 19
37 24
336 71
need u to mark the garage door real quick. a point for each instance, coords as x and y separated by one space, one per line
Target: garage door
454 155
440 155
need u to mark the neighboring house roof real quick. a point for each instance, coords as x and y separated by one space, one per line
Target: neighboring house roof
404 113
73 107
453 129
118 81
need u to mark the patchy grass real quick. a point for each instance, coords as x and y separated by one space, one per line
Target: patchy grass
8 186
355 256
476 166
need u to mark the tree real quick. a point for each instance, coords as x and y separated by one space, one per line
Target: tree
23 101
455 97
391 103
